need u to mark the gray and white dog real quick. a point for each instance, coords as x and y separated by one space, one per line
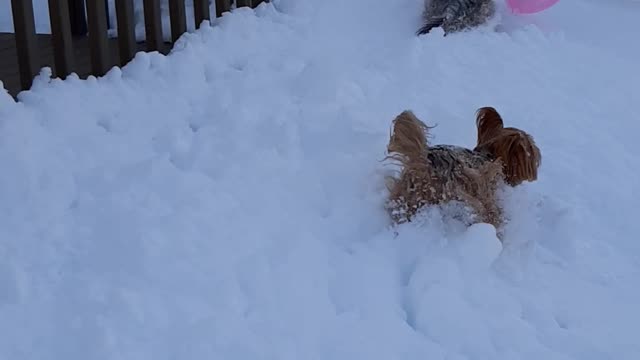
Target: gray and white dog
455 15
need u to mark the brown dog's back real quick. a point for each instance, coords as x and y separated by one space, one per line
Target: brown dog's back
433 175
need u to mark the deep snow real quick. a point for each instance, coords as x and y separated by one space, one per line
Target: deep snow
225 201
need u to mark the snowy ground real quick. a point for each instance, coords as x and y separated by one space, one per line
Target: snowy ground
225 201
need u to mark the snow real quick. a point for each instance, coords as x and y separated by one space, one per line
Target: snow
225 201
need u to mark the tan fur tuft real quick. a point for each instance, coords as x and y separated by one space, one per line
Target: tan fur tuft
408 140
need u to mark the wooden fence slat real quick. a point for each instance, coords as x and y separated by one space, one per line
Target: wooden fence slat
178 19
25 34
77 18
126 31
241 3
201 11
153 25
61 37
106 12
249 3
222 6
97 19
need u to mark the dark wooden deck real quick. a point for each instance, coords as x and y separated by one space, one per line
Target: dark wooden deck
10 75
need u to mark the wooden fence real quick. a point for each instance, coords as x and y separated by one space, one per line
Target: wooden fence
80 43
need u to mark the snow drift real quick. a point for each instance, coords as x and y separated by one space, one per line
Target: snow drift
225 201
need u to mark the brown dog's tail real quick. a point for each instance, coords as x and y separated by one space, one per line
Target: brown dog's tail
408 140
515 148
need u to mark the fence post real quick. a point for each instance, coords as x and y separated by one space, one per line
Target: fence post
77 18
249 3
98 37
61 37
178 19
201 11
222 6
25 34
126 32
106 12
152 25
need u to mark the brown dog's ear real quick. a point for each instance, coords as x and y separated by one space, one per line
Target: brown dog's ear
489 123
518 152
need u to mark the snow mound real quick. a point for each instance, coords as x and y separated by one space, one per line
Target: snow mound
479 247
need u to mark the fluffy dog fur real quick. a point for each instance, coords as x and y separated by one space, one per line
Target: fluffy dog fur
455 15
433 175
513 147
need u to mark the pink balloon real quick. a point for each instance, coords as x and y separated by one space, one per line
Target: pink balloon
530 6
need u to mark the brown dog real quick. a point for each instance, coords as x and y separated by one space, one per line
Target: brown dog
433 175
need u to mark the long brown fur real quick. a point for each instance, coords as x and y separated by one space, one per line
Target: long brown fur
515 148
433 175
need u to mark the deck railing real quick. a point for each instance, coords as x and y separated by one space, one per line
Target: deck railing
72 20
